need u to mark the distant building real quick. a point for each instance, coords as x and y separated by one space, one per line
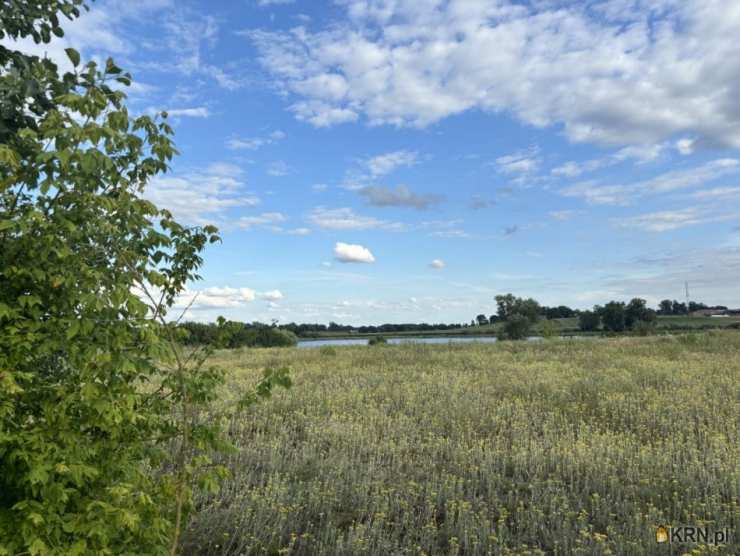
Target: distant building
709 313
716 313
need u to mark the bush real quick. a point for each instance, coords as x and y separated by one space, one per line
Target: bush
549 329
327 351
516 327
377 341
644 327
273 337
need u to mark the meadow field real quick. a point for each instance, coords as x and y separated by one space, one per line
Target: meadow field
565 446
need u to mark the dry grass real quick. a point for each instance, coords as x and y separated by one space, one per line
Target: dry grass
561 447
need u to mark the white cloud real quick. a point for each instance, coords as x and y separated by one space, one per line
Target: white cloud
199 198
215 298
349 253
719 193
639 153
668 220
620 194
611 72
254 143
384 164
265 3
518 163
346 219
264 219
563 215
685 146
401 196
278 169
274 295
197 112
438 264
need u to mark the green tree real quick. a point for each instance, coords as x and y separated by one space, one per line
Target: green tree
93 383
613 316
516 327
589 321
666 307
518 315
636 312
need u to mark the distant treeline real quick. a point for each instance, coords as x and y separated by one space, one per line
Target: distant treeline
307 330
516 316
237 334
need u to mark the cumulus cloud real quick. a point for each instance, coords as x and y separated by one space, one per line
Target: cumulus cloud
624 72
438 264
350 253
346 219
401 196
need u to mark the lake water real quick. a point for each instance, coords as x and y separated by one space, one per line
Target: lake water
404 340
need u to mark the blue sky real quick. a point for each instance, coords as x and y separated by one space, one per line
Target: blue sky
376 161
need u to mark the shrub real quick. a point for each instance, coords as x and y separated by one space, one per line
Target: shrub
549 329
377 341
644 328
516 327
327 351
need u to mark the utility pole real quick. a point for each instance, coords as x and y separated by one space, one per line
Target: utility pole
688 312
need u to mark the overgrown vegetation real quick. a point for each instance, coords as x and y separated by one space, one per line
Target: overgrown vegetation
105 420
562 447
240 334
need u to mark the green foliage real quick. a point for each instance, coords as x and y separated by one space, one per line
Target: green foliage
518 315
377 341
239 335
549 329
644 327
589 321
613 316
637 311
508 306
328 351
516 327
93 382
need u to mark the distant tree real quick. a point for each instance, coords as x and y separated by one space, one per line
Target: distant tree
516 327
665 307
613 316
588 321
518 315
679 308
509 305
493 319
634 311
482 320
